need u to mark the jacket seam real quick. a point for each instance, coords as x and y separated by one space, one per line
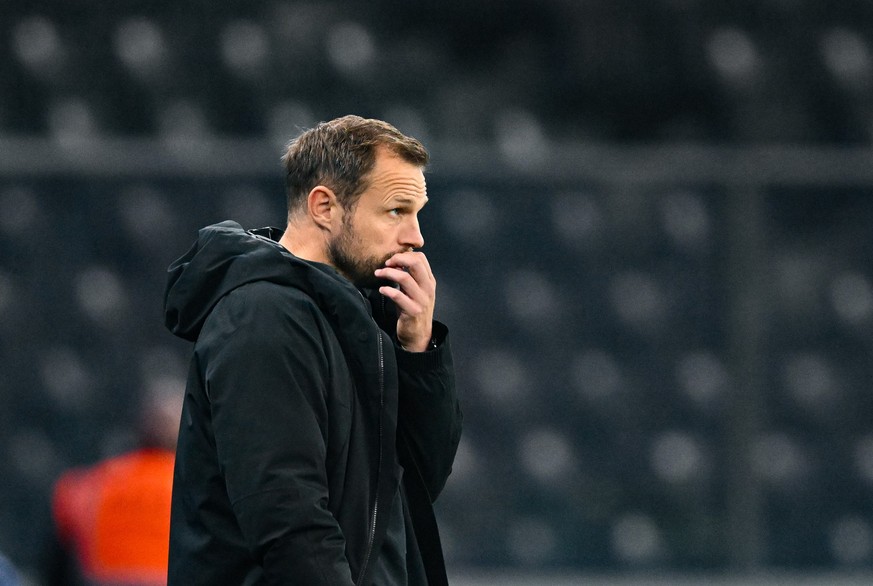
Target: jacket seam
238 500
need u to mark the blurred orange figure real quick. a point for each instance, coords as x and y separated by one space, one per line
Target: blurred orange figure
112 520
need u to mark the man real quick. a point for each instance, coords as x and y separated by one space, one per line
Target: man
112 519
320 418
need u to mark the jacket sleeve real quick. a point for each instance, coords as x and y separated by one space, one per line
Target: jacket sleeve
429 412
266 377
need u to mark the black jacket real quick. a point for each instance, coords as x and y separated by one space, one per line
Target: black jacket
299 412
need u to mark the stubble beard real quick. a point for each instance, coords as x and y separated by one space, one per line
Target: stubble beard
345 253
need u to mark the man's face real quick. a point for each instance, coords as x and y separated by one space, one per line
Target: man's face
383 223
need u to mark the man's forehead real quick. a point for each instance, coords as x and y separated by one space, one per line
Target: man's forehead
406 180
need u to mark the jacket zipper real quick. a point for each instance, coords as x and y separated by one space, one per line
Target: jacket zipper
372 537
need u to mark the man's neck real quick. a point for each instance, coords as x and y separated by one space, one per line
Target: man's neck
304 243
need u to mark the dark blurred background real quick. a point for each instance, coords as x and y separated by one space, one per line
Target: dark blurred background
650 223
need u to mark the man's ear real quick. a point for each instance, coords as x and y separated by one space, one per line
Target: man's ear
324 208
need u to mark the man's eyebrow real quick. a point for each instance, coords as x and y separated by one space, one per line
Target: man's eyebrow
402 199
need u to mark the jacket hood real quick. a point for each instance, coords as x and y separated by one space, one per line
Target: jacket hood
225 257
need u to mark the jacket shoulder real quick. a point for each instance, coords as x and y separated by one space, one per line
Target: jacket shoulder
263 312
268 299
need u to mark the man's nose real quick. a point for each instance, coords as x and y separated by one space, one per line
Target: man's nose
411 236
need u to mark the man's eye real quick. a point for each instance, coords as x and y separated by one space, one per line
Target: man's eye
394 212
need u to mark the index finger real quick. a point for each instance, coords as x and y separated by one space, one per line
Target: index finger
414 262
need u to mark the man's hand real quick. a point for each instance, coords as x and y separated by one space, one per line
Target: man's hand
415 299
